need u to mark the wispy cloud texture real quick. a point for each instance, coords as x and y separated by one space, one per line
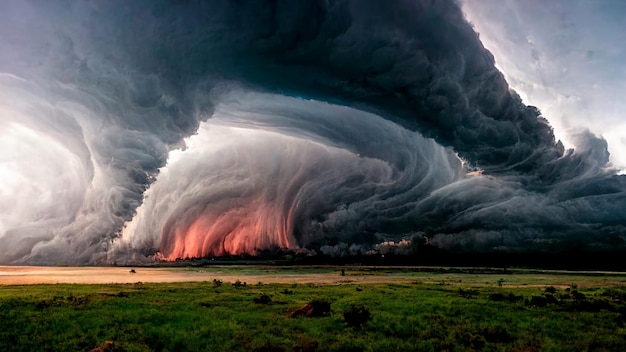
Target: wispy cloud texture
155 130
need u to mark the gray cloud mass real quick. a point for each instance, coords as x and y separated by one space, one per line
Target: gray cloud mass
134 131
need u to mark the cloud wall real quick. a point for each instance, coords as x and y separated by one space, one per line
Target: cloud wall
158 129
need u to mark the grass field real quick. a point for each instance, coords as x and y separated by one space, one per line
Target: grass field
443 310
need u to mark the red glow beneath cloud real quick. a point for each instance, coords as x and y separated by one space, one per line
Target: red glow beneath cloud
248 229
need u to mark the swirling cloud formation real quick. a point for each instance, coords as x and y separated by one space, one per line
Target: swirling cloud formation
133 131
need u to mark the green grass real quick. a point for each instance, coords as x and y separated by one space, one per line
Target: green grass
404 317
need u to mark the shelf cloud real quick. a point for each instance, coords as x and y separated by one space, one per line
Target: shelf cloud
156 130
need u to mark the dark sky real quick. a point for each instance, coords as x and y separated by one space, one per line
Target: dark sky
135 131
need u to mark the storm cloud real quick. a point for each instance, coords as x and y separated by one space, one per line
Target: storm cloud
157 130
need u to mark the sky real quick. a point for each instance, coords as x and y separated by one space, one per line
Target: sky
565 57
145 131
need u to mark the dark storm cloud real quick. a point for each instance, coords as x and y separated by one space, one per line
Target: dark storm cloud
416 60
134 78
289 171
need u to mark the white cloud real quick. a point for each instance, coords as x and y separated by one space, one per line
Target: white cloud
565 57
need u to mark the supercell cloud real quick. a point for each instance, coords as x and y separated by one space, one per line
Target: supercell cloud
158 130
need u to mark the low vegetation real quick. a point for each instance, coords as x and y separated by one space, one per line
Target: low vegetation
211 316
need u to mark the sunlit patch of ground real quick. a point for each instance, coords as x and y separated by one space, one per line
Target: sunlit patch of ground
320 275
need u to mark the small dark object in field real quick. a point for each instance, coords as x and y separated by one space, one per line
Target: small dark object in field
358 289
591 306
542 301
107 346
217 283
343 272
287 291
497 297
551 299
316 308
356 315
578 296
239 284
263 299
132 271
550 289
502 297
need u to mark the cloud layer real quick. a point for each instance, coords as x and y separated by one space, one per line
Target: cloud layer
170 130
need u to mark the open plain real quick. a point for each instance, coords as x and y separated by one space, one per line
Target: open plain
310 308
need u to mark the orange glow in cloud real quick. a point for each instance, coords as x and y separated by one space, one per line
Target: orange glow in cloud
247 229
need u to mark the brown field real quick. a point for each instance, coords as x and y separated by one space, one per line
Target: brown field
28 275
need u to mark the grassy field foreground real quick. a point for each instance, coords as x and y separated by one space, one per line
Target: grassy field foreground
214 316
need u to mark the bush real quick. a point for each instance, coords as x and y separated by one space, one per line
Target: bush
263 299
498 297
538 301
317 308
550 289
356 315
578 296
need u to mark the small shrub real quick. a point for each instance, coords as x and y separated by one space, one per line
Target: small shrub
578 296
595 306
356 315
263 299
538 301
550 298
317 308
499 297
550 289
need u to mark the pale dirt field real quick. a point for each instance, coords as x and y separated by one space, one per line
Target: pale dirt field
28 275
